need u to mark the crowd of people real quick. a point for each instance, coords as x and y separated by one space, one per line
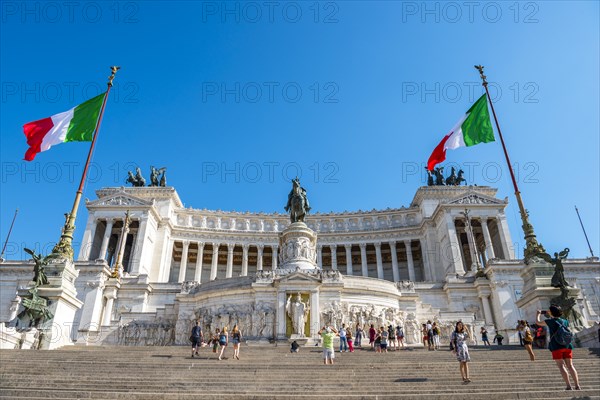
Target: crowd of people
219 340
383 339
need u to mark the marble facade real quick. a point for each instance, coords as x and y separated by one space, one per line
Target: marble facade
401 266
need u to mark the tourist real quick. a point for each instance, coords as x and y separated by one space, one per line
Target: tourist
484 337
384 336
327 334
215 340
343 341
424 332
295 347
498 338
520 331
429 328
540 337
378 340
236 339
223 340
392 344
528 340
196 338
358 336
372 334
436 336
349 340
458 343
562 354
400 335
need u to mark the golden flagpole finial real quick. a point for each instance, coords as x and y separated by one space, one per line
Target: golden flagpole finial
481 75
114 70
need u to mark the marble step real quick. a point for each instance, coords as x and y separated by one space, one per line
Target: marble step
264 373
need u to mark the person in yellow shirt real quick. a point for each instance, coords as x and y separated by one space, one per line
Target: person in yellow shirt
327 334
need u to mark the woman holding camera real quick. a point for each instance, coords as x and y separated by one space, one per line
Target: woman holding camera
458 341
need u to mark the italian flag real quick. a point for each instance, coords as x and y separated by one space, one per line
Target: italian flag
76 125
473 128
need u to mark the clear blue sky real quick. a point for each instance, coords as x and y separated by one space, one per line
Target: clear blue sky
353 95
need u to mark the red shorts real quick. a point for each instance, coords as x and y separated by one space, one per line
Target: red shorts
562 353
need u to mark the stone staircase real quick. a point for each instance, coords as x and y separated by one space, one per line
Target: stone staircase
271 372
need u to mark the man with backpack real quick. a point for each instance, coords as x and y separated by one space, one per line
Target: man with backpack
561 343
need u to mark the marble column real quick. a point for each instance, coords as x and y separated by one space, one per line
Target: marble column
88 241
348 248
229 270
198 272
489 249
455 247
245 259
333 249
274 257
184 259
111 295
280 315
320 256
259 258
395 270
106 238
410 261
363 259
471 243
138 247
459 231
215 261
168 260
107 311
379 262
314 313
426 265
487 310
504 237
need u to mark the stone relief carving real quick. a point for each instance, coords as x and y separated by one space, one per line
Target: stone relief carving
406 286
255 320
331 276
189 286
268 276
338 313
473 199
120 201
157 332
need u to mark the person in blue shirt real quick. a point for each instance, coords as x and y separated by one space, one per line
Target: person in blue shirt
561 354
196 338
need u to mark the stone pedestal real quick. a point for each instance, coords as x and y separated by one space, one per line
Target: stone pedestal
63 304
91 313
9 337
298 244
537 291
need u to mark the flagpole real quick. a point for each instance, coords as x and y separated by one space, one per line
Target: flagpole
10 230
582 228
63 248
532 247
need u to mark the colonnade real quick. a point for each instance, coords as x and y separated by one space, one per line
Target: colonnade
259 250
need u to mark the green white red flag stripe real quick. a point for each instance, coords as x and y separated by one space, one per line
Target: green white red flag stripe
76 125
473 128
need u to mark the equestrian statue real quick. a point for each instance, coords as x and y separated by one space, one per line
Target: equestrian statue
297 204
